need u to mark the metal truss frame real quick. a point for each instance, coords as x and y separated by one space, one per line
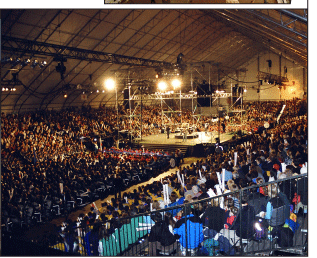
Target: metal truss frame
286 25
173 95
17 45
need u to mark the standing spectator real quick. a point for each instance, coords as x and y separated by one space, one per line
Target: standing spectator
214 217
160 237
117 185
190 230
243 224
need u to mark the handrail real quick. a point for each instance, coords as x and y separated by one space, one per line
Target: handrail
131 238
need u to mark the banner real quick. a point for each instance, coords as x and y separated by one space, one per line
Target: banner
218 189
235 158
211 193
223 178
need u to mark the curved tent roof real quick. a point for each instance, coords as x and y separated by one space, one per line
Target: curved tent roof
132 45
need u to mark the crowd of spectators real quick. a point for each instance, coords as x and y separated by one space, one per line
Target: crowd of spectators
45 163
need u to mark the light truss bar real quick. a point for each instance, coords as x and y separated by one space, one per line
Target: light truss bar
177 96
269 76
17 45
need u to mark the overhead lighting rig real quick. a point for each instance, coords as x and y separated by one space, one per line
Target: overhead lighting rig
271 78
14 61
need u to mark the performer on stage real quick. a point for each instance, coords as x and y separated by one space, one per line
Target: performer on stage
185 135
168 131
223 126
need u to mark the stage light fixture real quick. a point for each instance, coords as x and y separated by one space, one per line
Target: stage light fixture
34 64
42 64
176 83
162 86
25 62
65 96
245 90
110 84
6 60
97 91
17 61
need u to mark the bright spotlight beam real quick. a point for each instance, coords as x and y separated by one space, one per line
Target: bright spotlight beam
110 84
176 83
162 86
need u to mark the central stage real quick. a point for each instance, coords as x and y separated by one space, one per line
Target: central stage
176 140
192 139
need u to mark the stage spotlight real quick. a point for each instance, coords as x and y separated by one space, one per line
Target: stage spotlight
162 86
42 64
6 60
34 64
176 83
25 62
110 84
97 91
245 90
65 96
17 61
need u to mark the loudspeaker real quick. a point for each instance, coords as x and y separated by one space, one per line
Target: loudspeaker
126 99
199 150
204 89
126 94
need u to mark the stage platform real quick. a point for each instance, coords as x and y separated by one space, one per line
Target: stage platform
175 141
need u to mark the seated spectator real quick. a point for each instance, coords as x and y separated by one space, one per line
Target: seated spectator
233 211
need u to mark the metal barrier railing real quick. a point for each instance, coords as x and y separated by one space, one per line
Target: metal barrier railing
257 219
